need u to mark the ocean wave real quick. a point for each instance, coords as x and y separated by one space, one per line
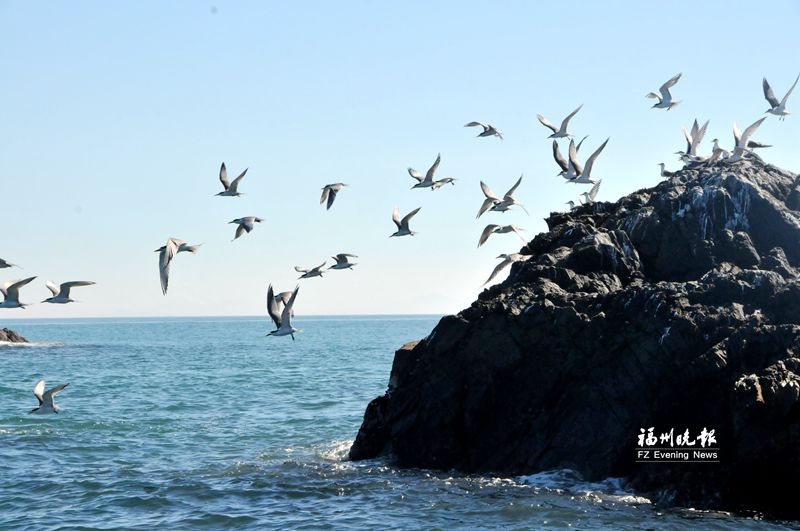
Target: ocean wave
32 344
568 481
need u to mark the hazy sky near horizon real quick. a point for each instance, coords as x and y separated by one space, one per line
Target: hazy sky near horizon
117 115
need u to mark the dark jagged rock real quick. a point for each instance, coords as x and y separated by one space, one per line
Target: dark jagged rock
9 336
676 307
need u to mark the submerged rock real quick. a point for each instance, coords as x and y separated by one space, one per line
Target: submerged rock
676 307
9 336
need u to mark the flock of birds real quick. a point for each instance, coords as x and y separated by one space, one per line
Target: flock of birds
280 307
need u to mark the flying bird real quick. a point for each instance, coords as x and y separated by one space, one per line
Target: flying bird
665 97
165 255
586 171
231 189
559 132
313 272
441 182
283 322
329 192
488 129
559 158
591 194
46 404
427 181
245 225
508 259
4 264
342 261
778 108
489 202
693 140
743 147
509 200
61 293
10 291
275 305
751 144
499 229
402 224
574 167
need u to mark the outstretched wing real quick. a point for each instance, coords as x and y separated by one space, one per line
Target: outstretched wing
223 176
502 265
12 291
66 286
407 218
235 184
488 192
432 169
664 90
300 270
331 198
475 124
749 132
565 123
488 231
52 287
38 392
769 95
396 217
513 188
288 309
594 190
48 396
589 163
545 122
415 174
324 197
560 160
786 97
273 310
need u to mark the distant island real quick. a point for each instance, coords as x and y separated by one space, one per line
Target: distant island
656 338
9 336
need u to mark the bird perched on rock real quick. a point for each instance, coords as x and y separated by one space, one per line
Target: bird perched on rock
46 403
488 129
665 173
329 192
591 194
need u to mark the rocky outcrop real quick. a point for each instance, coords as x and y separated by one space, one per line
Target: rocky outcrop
9 336
677 307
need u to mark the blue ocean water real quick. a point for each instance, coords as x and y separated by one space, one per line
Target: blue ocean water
204 422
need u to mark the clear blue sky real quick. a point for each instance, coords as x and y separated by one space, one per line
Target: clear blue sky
116 116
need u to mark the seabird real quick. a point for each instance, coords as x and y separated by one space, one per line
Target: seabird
665 173
46 404
499 229
586 172
329 192
508 259
509 200
559 132
426 182
488 129
743 142
275 305
574 167
693 140
751 144
61 293
313 272
591 194
572 205
245 225
167 253
402 224
491 199
665 98
778 108
10 291
230 188
283 322
441 182
342 261
717 153
4 264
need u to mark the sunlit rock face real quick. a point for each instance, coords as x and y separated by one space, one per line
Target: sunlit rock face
677 307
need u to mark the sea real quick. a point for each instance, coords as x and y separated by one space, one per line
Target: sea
183 423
